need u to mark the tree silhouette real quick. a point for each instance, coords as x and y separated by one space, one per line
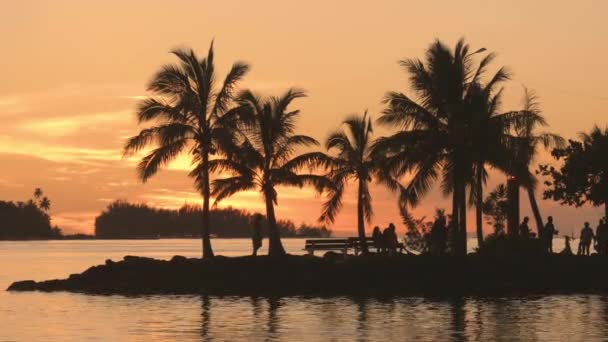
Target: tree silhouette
353 162
189 115
267 158
434 139
583 176
45 204
525 147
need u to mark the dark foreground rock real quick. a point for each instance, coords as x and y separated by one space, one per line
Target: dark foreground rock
308 275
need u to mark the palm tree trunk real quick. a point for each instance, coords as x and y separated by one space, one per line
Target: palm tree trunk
361 220
463 218
275 247
478 205
534 206
455 221
513 207
207 250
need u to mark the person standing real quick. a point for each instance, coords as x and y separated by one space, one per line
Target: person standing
586 239
378 242
524 230
256 236
548 232
389 236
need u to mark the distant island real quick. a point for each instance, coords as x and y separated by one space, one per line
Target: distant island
123 220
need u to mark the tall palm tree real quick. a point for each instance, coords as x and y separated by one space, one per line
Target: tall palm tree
526 147
353 162
434 138
189 115
267 157
492 136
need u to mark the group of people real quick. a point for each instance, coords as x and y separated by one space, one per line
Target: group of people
385 241
587 237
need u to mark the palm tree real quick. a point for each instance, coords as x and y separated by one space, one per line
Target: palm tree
353 162
525 147
189 115
267 157
45 203
434 138
38 193
492 136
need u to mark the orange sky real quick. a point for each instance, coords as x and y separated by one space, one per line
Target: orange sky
72 72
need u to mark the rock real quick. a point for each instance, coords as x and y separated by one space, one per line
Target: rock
25 285
178 259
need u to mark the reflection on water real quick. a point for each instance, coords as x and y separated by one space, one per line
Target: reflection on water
74 317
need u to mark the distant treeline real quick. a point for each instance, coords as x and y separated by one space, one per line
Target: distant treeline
127 220
27 220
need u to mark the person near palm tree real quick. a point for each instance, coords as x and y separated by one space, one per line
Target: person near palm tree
586 239
524 230
389 235
547 235
377 237
439 236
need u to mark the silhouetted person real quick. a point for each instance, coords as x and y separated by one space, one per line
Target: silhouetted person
586 239
567 250
256 236
524 230
601 238
390 239
547 236
378 241
438 236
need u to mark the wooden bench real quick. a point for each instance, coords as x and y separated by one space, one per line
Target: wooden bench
327 245
342 245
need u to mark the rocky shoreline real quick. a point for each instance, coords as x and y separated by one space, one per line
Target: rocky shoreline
336 275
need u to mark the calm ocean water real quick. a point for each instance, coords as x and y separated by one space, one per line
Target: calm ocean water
74 317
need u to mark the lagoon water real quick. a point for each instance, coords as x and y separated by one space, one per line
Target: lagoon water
38 316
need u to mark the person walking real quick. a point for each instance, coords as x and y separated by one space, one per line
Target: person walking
256 236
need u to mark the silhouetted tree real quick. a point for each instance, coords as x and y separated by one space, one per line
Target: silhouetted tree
435 137
353 162
525 147
26 220
128 220
267 158
495 208
190 115
583 176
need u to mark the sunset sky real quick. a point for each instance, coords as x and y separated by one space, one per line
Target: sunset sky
73 71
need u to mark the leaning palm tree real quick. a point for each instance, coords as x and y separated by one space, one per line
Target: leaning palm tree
434 137
189 114
525 147
267 157
353 162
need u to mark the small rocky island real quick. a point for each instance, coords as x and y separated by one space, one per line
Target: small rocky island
334 274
